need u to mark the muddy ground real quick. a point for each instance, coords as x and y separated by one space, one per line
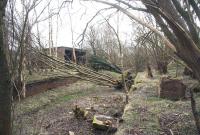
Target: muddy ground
51 112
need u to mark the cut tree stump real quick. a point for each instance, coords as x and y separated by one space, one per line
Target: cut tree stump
105 123
71 133
172 89
80 113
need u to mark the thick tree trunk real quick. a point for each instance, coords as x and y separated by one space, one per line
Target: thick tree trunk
195 112
5 82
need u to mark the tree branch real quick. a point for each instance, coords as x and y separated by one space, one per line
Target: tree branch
130 15
186 17
132 7
195 7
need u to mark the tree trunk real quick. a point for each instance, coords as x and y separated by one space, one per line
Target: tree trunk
21 75
74 55
195 112
149 72
162 67
94 50
20 82
5 80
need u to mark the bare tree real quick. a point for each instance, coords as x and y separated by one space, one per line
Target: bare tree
22 26
156 52
103 43
92 39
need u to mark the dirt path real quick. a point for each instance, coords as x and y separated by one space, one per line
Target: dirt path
51 112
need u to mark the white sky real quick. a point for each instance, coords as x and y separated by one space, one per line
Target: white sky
81 13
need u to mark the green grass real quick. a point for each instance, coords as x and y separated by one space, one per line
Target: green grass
55 96
76 95
42 103
42 75
72 96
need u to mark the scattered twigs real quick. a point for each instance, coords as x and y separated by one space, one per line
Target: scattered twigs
169 121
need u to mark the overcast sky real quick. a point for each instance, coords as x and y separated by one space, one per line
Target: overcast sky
81 13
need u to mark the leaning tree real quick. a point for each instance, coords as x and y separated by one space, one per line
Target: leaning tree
179 28
179 24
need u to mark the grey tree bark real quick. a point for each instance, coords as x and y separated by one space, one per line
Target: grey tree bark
5 79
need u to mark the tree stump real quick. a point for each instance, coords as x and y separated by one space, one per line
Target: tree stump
104 123
172 89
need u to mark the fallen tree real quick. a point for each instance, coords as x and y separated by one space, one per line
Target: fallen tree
69 68
178 21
